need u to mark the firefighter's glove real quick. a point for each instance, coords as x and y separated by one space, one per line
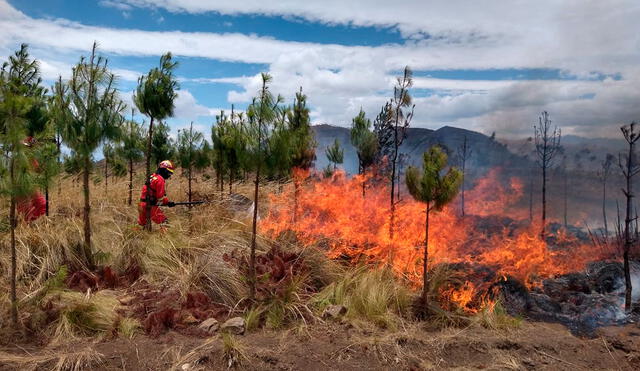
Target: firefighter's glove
171 204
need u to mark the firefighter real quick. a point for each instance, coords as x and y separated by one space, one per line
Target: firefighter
158 195
33 206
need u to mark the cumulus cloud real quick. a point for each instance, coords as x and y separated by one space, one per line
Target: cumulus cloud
583 39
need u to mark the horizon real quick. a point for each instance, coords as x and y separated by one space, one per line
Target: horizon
485 70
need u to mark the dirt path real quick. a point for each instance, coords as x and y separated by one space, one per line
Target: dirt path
342 346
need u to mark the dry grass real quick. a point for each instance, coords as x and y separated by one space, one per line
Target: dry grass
189 256
369 293
84 359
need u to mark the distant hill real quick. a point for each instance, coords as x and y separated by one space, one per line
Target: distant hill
486 152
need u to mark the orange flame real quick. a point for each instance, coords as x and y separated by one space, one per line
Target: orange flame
333 215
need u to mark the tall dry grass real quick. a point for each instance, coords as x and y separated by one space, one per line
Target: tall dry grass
188 256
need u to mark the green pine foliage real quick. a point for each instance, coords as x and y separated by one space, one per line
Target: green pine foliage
93 116
20 94
335 154
191 154
162 146
435 188
303 143
154 98
262 115
130 150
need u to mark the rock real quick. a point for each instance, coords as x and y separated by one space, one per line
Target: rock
234 326
126 300
186 366
190 320
334 311
209 325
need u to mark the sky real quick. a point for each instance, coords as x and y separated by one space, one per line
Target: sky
490 68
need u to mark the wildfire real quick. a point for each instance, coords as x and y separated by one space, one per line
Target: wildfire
332 214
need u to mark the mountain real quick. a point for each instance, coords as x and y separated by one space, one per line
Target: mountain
486 152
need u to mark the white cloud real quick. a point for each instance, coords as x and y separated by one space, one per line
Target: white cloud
120 5
187 108
579 38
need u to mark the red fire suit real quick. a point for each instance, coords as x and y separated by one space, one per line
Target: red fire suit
158 193
32 207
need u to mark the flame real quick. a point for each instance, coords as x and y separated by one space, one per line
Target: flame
333 215
462 297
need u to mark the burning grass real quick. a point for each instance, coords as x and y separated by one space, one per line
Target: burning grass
333 214
337 252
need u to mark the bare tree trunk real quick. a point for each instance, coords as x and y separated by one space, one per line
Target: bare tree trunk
59 152
531 197
189 178
130 182
106 176
13 224
604 207
296 194
252 257
464 161
87 214
628 242
393 187
565 196
46 199
148 178
544 201
425 278
230 181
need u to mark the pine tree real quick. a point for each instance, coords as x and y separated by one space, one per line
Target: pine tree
219 152
190 154
229 147
303 144
162 146
93 116
262 114
49 167
154 98
20 92
131 149
435 190
400 102
366 143
335 154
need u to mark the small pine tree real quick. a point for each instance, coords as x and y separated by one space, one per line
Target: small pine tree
154 98
303 144
49 167
366 143
335 154
20 91
262 114
434 189
93 116
190 154
131 149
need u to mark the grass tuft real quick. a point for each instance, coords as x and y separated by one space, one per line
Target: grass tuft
369 293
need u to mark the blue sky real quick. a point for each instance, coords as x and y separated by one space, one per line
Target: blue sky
488 69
